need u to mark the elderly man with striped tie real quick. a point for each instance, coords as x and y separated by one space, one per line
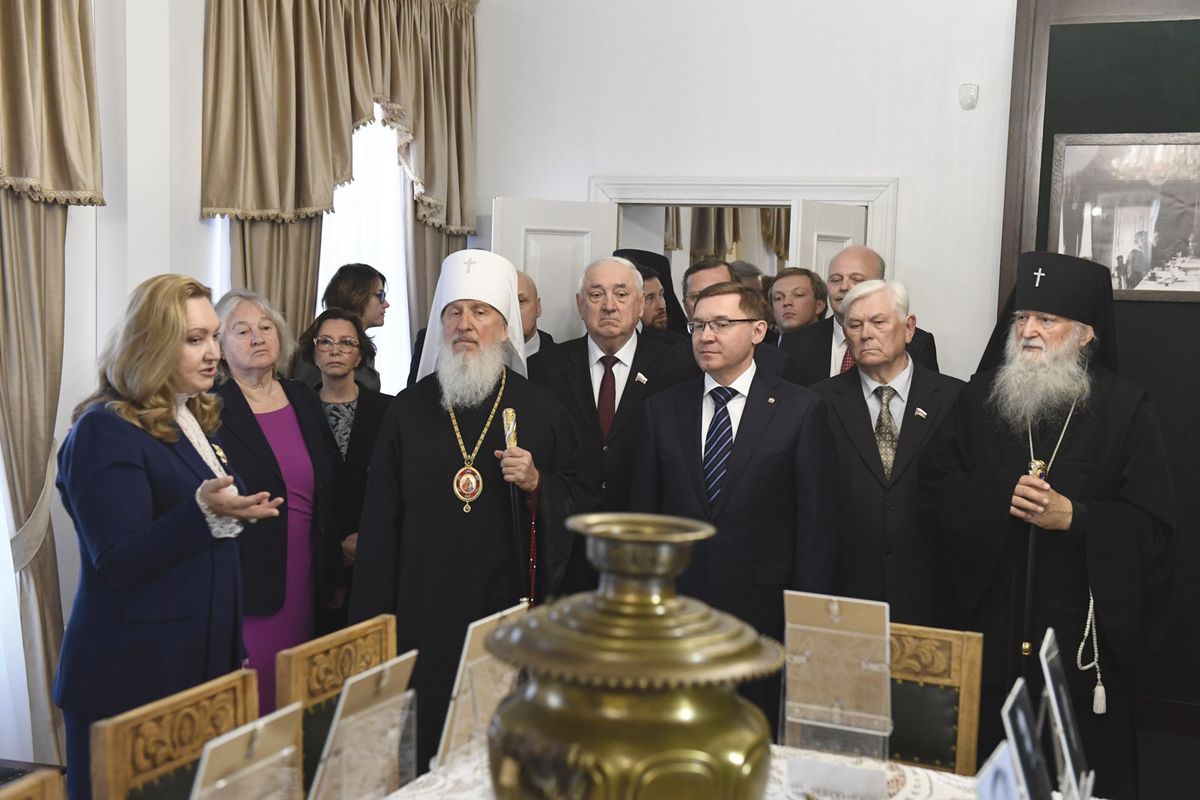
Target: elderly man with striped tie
748 452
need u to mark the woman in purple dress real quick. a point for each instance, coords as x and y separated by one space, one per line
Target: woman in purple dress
276 438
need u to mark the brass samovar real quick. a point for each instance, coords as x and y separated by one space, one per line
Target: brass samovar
629 690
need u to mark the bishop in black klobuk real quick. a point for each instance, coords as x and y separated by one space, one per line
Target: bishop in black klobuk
1050 486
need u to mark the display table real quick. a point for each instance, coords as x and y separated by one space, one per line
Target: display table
467 778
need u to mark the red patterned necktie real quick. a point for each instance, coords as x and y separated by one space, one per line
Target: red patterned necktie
847 360
606 402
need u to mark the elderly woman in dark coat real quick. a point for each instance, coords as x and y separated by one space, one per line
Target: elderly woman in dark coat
277 440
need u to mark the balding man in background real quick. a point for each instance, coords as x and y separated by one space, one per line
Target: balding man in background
820 349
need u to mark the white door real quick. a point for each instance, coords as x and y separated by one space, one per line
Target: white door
825 228
552 241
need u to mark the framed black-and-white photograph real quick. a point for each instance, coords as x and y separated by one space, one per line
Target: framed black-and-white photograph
1062 718
1024 737
1131 201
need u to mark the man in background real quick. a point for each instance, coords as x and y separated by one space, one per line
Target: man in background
798 298
820 349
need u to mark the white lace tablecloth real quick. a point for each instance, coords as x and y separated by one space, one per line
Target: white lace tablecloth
467 779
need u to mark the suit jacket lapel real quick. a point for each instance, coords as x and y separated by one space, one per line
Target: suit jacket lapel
238 420
183 448
756 418
579 379
922 394
853 415
635 391
688 402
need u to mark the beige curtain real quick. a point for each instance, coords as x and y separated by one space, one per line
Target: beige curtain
32 239
49 124
287 81
714 232
671 231
427 247
776 226
278 260
49 158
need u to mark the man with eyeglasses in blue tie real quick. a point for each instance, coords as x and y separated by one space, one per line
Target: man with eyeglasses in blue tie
746 451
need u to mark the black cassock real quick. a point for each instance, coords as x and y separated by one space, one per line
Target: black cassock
1112 466
437 568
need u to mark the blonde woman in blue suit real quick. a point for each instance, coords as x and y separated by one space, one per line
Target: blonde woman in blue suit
157 515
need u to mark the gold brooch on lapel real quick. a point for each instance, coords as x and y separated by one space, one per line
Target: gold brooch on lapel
220 453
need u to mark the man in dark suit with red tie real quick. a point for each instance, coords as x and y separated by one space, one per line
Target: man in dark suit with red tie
819 350
882 414
748 451
602 379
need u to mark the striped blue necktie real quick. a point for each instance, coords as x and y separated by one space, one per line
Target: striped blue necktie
718 444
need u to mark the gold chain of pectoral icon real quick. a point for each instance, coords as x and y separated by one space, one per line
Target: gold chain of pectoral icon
1039 469
468 483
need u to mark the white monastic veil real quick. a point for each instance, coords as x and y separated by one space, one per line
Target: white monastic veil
475 275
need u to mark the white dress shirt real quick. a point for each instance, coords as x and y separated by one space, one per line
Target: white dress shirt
902 383
533 343
838 351
620 369
735 406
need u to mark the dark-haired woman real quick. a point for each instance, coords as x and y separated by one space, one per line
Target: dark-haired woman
362 290
336 343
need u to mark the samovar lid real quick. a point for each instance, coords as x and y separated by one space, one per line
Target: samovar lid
635 631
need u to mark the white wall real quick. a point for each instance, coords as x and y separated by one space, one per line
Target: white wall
847 88
149 62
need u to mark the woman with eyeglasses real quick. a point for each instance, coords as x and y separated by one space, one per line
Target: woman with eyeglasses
277 440
336 343
362 290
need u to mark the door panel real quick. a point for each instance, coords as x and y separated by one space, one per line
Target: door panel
826 228
552 241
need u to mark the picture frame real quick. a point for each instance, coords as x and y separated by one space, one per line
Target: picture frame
1023 734
1073 778
1130 201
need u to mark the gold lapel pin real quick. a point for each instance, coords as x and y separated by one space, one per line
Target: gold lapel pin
220 453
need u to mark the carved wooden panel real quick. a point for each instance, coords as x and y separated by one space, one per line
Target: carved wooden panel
924 658
144 744
311 672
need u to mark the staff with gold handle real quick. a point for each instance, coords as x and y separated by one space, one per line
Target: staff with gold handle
509 416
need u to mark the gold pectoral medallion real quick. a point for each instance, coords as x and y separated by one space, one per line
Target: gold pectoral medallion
1037 468
468 485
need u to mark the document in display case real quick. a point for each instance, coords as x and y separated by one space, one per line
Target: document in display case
261 759
837 684
371 750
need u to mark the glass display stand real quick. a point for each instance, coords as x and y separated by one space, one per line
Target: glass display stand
837 696
261 759
371 750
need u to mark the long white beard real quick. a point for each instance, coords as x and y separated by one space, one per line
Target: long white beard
468 378
1032 389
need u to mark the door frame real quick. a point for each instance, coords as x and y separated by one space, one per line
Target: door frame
879 195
